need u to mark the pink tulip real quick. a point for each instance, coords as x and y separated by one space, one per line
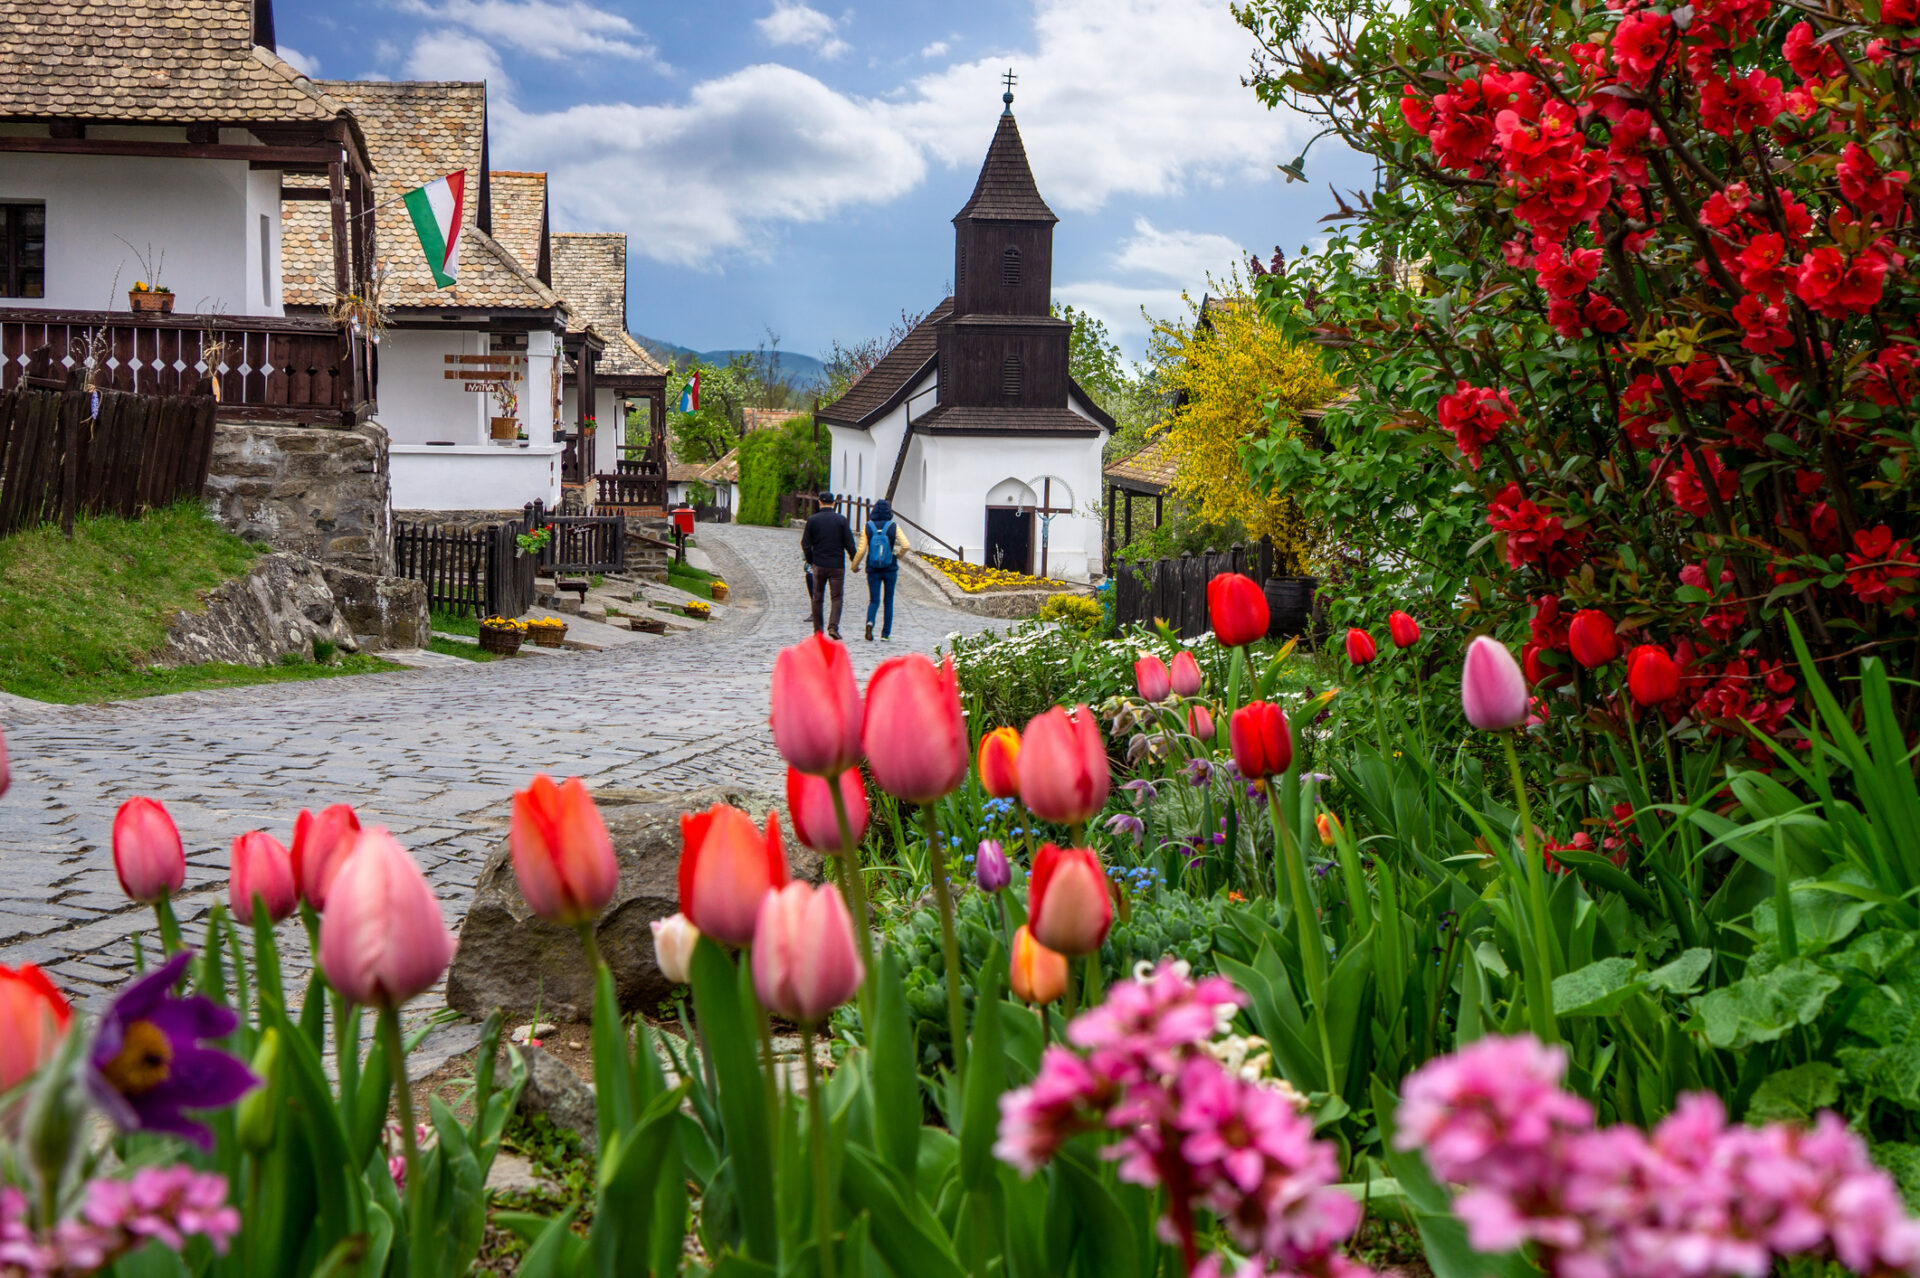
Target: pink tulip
1200 723
1068 907
146 851
805 962
1187 680
320 844
1493 692
382 940
816 707
727 866
6 767
1151 677
810 808
915 736
1063 767
562 854
261 868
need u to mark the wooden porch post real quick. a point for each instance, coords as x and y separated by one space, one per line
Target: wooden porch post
1112 494
337 197
1158 499
1129 540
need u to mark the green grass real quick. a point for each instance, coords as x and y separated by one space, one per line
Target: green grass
80 620
454 648
456 625
695 581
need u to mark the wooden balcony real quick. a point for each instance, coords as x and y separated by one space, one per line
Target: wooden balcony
304 371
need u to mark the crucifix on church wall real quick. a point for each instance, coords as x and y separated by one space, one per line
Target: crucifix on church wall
1047 510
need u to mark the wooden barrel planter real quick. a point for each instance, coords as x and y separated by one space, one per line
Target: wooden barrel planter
1290 606
502 640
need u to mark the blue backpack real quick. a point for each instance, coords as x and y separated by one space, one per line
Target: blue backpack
880 546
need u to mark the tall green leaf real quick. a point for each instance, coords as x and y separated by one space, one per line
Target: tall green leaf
732 1038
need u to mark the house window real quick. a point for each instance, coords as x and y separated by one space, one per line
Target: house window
861 485
1010 266
266 262
1010 377
23 250
844 468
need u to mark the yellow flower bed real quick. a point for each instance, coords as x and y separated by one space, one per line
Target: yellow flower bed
974 578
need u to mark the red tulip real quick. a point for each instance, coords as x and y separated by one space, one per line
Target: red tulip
1360 647
1539 673
1200 723
1238 609
1035 974
1068 908
805 962
562 853
1493 692
261 868
1653 676
1151 677
810 808
1591 637
1404 629
726 867
1187 679
33 1019
816 707
1262 740
914 733
1063 767
1000 763
382 940
320 844
146 851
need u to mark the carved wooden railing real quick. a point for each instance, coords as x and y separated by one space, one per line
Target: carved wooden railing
631 490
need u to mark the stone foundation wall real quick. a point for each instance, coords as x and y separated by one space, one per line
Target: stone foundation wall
319 491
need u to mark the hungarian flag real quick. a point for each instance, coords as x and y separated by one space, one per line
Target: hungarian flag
437 210
690 394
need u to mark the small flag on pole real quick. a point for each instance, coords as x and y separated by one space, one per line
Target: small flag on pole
690 394
437 210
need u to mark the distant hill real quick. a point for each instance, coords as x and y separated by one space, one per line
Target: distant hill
801 370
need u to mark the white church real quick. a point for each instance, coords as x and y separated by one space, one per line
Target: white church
972 427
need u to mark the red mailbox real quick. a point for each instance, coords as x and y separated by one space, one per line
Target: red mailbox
683 520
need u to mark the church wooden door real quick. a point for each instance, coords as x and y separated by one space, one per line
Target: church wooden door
1010 538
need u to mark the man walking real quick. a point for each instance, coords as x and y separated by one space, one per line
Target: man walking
827 543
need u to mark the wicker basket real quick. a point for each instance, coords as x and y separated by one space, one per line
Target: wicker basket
504 640
647 625
150 303
504 427
547 636
719 591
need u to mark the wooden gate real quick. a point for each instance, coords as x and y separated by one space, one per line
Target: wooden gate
580 543
477 572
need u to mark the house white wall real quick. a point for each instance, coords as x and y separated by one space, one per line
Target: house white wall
205 214
418 403
474 477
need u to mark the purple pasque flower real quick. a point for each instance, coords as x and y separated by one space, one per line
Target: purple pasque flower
990 869
1143 790
1125 823
1199 772
147 1067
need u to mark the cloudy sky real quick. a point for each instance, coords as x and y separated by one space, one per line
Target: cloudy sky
779 164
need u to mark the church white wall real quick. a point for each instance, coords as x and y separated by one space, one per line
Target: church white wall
961 471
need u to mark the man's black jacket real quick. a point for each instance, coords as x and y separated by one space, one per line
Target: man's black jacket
828 540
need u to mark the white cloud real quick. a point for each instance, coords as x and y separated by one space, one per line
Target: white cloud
304 64
1151 269
454 55
938 49
763 145
793 22
545 28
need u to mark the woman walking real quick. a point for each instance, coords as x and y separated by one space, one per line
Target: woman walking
881 543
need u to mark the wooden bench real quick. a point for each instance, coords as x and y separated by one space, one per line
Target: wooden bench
577 588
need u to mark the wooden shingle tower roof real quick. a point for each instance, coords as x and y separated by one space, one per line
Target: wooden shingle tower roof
1006 191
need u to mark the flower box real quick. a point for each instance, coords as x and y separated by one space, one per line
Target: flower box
148 302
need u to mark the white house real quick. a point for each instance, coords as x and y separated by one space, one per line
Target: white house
447 352
972 426
623 465
720 478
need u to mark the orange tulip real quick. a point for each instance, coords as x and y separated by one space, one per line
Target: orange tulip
1328 825
320 843
33 1019
1000 763
1068 907
727 867
562 853
261 868
1063 767
1035 973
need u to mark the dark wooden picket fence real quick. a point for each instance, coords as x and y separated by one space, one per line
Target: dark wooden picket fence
477 572
1176 589
71 450
580 543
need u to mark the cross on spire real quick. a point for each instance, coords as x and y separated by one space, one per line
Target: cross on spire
1007 97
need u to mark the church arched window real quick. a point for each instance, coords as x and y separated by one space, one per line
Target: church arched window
1010 266
1010 377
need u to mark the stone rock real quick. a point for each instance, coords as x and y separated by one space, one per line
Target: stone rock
280 608
322 491
556 1091
510 958
392 611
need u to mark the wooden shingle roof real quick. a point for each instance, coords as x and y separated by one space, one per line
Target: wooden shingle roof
873 395
590 271
969 420
1149 470
1006 191
519 207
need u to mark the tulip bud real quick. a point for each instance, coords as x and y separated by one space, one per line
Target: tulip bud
1493 692
1151 677
33 1019
990 869
727 866
1591 637
810 808
146 851
1200 723
382 939
1237 608
257 1117
1063 767
1035 974
816 707
320 843
1068 907
261 870
1261 739
673 941
805 963
562 853
1653 676
1404 629
1187 680
914 734
1000 763
1360 647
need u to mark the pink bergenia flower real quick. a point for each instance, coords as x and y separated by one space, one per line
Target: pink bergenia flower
1145 1026
1036 1120
1490 1113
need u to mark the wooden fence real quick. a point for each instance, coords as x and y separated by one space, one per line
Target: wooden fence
1176 590
469 572
580 543
70 450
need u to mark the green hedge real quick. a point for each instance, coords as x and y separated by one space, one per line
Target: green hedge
781 459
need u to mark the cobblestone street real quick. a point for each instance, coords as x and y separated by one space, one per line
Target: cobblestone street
431 754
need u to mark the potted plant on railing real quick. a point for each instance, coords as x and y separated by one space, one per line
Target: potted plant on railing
535 541
149 296
505 422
